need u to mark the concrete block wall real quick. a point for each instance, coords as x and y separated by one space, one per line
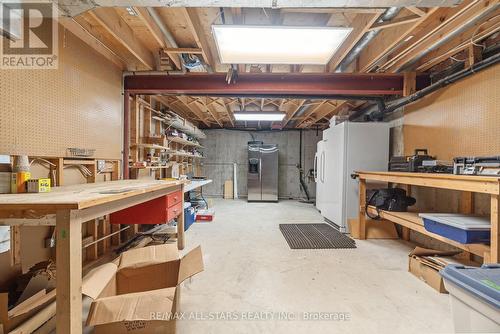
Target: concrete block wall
223 148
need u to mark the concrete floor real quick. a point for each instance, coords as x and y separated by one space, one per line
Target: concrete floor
249 268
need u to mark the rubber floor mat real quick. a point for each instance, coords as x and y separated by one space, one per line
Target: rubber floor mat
315 236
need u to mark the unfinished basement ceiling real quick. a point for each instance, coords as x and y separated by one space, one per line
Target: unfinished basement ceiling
177 40
76 7
218 112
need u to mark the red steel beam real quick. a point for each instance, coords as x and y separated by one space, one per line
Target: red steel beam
248 84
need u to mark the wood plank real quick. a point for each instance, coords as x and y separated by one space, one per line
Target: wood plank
194 25
109 19
416 10
480 184
155 31
194 109
495 229
362 213
82 196
183 50
79 31
412 221
410 83
92 231
69 271
389 39
333 10
395 22
181 238
360 26
466 204
292 111
442 31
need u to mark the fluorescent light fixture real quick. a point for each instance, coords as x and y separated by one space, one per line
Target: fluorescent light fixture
241 44
258 116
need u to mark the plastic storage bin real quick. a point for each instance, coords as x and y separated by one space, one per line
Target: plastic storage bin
474 297
189 215
462 228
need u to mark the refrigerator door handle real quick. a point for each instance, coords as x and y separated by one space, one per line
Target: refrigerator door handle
260 170
322 166
315 167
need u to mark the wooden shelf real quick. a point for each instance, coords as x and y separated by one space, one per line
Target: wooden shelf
153 167
183 141
188 155
412 221
153 146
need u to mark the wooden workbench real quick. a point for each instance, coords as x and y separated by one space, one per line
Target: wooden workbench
67 208
468 184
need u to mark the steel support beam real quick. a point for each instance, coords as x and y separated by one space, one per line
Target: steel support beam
270 84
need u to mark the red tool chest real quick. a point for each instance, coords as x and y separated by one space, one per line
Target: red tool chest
160 210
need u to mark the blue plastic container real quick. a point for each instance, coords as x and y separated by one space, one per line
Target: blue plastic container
189 215
465 229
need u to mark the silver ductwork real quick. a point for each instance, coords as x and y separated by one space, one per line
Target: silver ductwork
463 27
388 15
167 35
299 113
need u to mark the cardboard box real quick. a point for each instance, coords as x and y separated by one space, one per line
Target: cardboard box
139 293
10 319
38 185
375 229
425 264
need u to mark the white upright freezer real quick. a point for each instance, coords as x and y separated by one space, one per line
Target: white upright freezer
345 148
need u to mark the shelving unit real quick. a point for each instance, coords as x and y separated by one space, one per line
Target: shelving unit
150 121
467 184
183 141
412 221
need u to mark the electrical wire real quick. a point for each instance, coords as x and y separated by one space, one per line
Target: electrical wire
479 27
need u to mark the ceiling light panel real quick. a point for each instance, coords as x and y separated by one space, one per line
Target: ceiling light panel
258 116
240 44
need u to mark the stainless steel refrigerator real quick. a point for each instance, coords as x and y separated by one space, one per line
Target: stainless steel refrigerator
262 172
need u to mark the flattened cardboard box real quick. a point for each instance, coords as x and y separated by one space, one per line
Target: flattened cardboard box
140 292
425 270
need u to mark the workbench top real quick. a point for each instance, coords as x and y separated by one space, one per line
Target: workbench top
473 183
82 196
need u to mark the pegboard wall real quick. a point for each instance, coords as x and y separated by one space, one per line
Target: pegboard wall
462 119
44 112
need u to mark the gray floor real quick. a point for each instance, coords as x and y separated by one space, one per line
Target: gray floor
250 272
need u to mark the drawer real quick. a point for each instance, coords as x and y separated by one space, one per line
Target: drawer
147 213
174 211
174 198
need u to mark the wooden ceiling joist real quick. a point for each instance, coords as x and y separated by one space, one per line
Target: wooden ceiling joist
471 11
155 31
202 101
295 106
111 21
194 25
395 22
416 10
360 26
86 36
184 100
